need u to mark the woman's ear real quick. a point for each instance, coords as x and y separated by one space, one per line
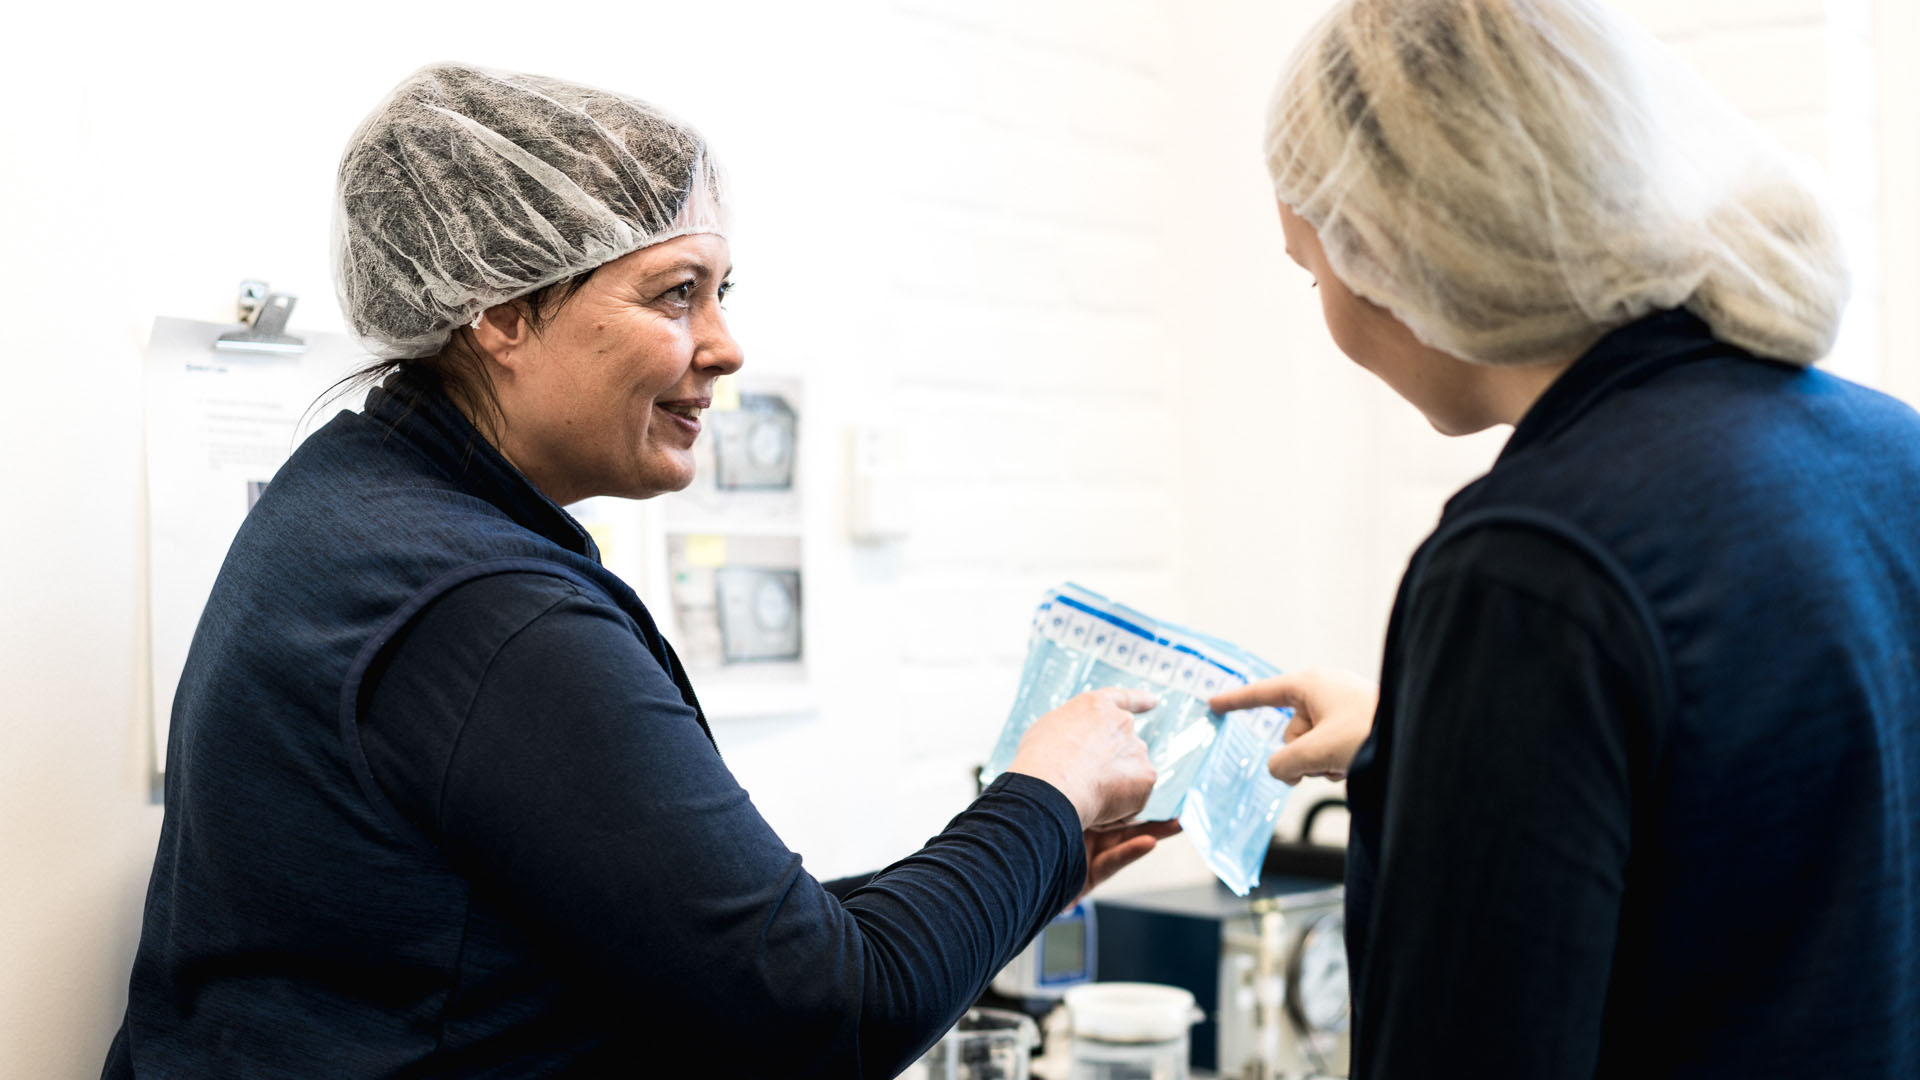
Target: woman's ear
501 333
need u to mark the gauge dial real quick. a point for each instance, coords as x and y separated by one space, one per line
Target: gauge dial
1317 995
772 607
767 445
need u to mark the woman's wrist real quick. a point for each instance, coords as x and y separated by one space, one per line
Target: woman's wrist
1057 779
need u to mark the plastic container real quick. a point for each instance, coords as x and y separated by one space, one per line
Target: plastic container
1131 1031
987 1044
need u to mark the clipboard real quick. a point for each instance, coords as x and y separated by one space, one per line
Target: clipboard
226 404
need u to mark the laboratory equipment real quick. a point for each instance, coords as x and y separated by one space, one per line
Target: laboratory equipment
1061 957
1130 1031
754 444
1269 971
1314 999
759 613
987 1044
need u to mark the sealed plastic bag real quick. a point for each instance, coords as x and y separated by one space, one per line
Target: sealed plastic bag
1212 769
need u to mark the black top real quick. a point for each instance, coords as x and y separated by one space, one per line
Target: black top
440 803
545 752
1643 793
1496 908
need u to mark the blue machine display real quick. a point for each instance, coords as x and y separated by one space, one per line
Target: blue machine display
1061 957
1212 769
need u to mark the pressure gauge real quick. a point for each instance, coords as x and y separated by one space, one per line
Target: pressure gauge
769 445
759 613
754 444
772 604
1317 994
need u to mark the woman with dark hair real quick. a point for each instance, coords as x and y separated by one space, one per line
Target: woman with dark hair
440 799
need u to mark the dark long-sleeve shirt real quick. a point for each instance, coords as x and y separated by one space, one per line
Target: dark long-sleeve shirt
550 757
1642 797
1495 919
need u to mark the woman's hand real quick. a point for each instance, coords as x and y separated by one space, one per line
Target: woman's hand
1332 716
1087 748
1114 846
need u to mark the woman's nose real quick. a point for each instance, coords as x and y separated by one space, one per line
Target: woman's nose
716 349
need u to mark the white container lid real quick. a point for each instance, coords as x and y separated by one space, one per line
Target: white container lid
1131 1012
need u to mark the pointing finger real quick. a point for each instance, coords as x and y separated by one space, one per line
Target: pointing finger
1288 691
1304 757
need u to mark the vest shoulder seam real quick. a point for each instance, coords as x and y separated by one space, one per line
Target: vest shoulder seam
376 643
1616 571
486 669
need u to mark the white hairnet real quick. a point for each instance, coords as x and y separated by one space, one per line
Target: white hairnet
468 187
1515 178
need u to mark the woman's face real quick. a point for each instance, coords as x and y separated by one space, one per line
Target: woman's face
606 399
1452 394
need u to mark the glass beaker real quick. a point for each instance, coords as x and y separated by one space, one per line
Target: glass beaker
987 1044
1130 1031
1098 1059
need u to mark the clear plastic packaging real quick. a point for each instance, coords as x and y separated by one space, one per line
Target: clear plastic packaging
1211 769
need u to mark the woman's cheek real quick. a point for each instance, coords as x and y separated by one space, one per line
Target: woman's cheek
1343 326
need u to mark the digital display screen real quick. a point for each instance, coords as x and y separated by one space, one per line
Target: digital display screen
1063 952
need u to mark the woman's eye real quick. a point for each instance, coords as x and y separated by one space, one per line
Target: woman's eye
682 292
725 288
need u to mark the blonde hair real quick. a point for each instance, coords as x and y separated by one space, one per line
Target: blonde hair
1515 178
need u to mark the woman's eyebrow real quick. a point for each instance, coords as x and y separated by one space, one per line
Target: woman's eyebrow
680 266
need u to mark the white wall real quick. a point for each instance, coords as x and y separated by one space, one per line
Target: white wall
1037 235
1894 29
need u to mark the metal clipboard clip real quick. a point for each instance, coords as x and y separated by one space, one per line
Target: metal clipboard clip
265 313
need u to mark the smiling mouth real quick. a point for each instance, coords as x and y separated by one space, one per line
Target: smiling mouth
689 412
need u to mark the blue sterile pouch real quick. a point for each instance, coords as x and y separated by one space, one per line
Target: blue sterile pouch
1212 769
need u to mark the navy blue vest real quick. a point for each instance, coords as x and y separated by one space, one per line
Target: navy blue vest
1765 521
267 791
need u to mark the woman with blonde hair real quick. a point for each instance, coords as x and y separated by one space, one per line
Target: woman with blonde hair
1639 794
